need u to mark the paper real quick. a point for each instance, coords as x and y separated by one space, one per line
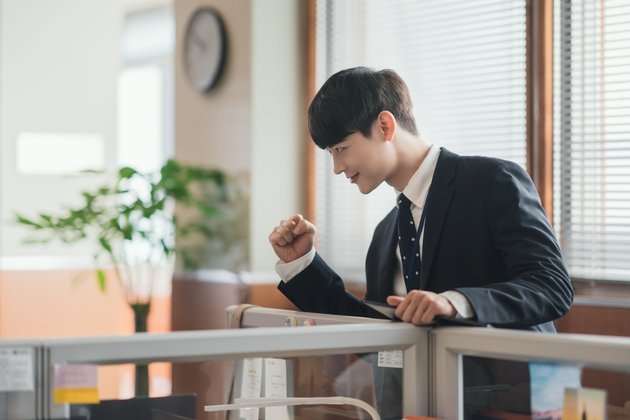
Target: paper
16 369
276 387
251 384
75 384
390 359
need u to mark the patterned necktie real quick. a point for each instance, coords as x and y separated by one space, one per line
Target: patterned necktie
407 243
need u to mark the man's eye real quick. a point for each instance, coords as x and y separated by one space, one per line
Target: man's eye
339 149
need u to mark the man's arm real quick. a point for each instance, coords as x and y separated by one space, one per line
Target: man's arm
307 281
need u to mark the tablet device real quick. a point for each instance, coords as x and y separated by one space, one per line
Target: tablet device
384 309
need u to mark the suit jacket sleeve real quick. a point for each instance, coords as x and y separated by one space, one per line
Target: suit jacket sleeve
537 287
319 289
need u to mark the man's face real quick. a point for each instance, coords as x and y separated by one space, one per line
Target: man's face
366 162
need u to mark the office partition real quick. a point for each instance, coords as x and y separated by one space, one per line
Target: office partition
452 345
436 378
199 346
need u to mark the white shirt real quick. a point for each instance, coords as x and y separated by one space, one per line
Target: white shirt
416 191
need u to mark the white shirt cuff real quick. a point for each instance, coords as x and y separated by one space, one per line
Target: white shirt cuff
290 269
460 303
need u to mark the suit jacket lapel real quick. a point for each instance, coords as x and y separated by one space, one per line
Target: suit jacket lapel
440 196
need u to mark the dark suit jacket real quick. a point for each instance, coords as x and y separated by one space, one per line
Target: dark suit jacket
486 236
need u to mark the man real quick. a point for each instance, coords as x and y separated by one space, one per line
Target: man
480 245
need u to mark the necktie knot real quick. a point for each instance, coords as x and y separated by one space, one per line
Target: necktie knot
403 202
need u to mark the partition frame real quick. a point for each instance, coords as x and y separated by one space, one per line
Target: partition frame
451 344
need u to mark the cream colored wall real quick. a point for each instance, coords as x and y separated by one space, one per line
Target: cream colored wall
278 118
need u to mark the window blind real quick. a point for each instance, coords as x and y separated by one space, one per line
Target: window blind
465 66
592 137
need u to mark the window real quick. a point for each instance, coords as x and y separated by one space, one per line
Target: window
466 70
145 90
592 137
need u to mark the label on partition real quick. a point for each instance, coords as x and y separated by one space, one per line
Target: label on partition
16 369
276 387
390 359
75 384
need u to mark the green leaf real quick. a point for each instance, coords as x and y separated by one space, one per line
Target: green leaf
126 172
105 244
102 280
26 221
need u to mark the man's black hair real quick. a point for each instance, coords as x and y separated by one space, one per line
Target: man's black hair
351 99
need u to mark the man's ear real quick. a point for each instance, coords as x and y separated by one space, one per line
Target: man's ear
387 125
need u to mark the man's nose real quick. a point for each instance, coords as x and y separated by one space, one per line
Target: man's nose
338 166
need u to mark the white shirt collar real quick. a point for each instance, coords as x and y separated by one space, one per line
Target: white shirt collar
418 186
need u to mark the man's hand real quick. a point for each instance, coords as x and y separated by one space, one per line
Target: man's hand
420 307
292 238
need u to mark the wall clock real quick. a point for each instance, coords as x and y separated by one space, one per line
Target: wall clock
204 49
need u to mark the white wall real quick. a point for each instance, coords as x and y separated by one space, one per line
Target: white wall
58 69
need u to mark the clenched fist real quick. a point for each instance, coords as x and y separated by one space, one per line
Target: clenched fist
293 238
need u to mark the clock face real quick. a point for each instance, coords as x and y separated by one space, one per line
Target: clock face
204 49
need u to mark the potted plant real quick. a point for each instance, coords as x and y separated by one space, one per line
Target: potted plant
133 224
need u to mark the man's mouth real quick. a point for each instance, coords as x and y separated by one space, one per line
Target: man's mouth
353 178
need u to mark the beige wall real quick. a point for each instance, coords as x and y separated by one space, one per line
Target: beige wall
214 128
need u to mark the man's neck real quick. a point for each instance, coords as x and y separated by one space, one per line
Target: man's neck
412 151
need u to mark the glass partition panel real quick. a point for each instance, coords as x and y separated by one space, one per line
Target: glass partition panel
495 388
498 388
216 382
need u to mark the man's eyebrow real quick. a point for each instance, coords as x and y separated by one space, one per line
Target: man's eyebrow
339 144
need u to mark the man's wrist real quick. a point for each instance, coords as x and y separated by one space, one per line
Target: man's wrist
290 269
462 306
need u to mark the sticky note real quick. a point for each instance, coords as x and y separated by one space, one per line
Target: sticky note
75 384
